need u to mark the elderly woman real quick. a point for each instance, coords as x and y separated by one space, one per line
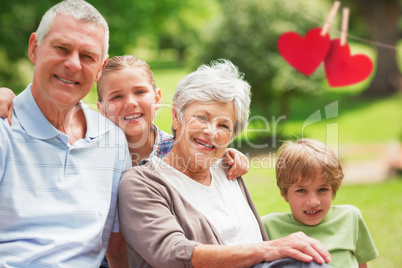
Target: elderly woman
181 211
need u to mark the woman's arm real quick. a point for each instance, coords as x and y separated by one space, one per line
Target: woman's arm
167 232
6 103
151 221
297 246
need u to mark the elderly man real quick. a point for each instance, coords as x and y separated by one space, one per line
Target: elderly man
61 162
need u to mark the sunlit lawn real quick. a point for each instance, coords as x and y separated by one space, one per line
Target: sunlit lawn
359 122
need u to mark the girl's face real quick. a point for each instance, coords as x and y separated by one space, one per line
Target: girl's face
309 200
130 101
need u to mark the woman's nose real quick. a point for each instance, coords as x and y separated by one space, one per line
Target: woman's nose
210 130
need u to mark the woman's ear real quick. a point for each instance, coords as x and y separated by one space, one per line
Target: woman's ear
175 119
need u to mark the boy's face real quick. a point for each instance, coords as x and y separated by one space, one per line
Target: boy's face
309 200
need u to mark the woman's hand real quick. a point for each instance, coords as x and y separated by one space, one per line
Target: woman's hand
297 246
6 103
237 162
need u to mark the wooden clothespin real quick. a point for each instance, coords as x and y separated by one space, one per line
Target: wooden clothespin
330 18
344 29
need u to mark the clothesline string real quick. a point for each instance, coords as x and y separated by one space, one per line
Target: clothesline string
377 44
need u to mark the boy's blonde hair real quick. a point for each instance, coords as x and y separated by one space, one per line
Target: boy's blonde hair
305 158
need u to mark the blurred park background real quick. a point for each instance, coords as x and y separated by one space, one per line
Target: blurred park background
362 122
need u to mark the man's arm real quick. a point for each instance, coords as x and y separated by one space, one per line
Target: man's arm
6 103
116 252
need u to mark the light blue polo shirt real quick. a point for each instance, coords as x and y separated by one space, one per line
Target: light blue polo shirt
57 200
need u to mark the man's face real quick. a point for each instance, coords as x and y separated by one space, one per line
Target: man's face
68 62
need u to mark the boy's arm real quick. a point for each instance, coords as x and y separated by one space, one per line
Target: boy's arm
6 103
237 162
363 265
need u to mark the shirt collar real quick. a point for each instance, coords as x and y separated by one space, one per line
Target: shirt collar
36 124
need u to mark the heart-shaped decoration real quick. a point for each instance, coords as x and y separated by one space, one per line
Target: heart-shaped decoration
304 54
343 69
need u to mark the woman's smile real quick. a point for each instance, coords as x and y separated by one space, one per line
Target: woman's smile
204 144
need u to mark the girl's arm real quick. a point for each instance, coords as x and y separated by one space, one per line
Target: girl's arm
6 103
237 162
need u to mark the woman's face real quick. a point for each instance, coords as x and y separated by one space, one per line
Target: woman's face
130 101
204 133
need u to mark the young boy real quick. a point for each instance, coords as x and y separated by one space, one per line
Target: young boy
308 175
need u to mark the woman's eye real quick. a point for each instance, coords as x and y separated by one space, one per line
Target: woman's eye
224 126
202 118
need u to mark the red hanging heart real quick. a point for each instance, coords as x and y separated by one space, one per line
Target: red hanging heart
304 54
343 69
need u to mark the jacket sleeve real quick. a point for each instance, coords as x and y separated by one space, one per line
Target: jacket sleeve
148 222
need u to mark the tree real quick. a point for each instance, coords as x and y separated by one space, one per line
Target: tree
382 19
128 21
248 36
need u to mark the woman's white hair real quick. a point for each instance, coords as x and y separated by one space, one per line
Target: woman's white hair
221 81
81 11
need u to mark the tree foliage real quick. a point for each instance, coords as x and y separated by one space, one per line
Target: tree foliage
382 19
248 37
129 20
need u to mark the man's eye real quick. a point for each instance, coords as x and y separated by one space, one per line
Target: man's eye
88 57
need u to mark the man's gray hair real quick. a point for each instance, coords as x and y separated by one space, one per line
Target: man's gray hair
221 81
81 11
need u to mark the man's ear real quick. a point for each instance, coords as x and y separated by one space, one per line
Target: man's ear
98 75
284 196
32 48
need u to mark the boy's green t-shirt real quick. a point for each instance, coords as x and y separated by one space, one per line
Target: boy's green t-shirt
343 232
